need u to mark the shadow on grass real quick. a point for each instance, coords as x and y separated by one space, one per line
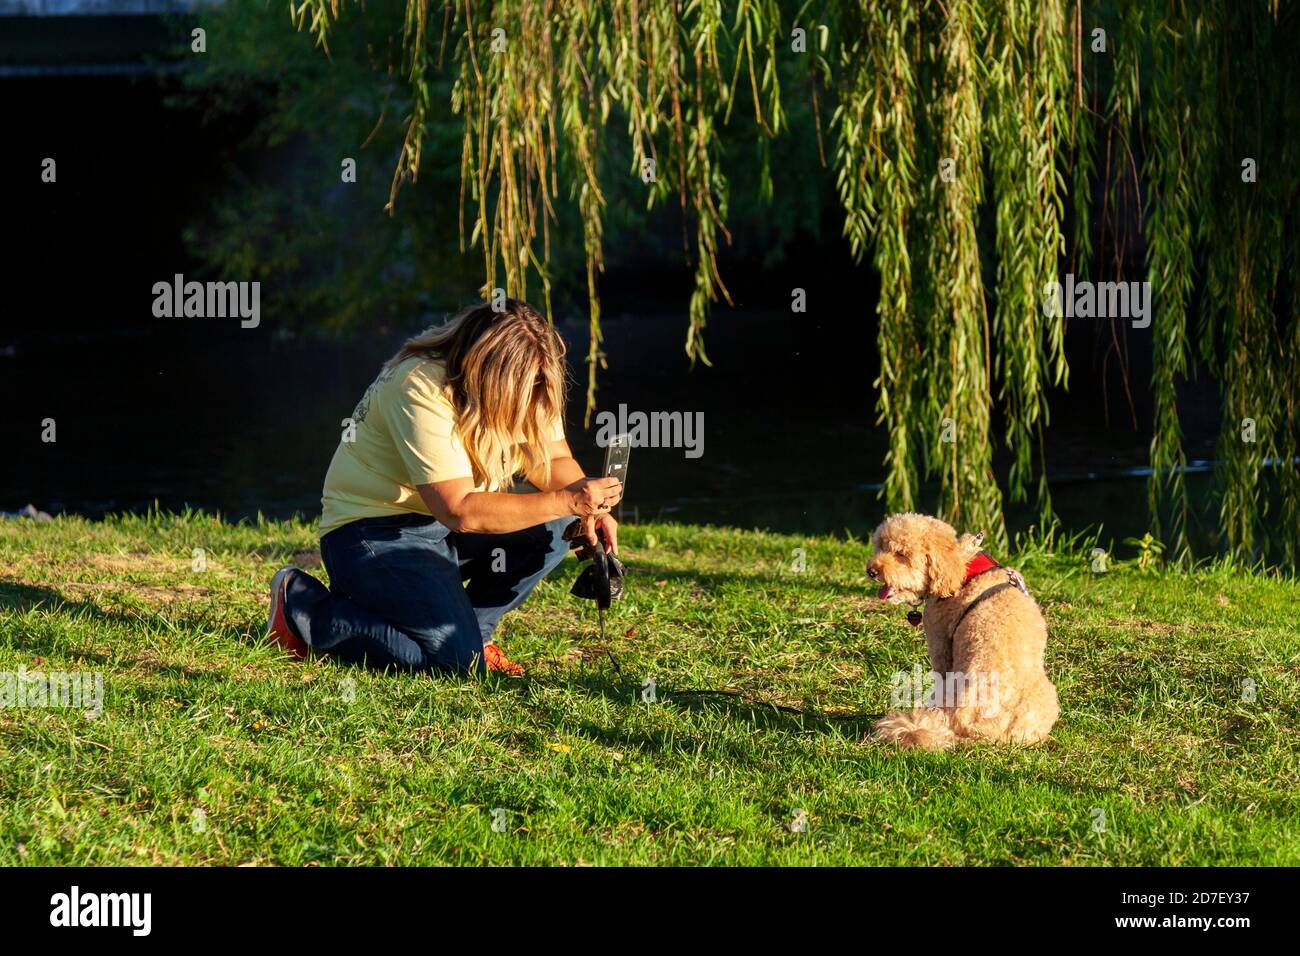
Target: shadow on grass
26 597
599 681
23 598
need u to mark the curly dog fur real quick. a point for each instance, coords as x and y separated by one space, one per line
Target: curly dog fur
1000 640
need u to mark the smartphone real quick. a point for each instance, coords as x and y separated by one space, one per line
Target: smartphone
616 455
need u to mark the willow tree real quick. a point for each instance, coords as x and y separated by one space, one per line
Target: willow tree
978 149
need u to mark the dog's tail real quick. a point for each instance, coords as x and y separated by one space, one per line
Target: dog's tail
925 728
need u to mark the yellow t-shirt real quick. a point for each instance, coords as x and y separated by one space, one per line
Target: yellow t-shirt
405 435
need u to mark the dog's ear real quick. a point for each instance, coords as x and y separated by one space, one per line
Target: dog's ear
945 567
969 545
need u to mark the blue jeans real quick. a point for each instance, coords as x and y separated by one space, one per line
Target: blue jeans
398 595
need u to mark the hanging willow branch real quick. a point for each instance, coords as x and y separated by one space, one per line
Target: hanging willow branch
1028 55
1173 166
876 177
962 132
952 308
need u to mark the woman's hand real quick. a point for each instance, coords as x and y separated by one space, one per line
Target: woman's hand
606 527
590 497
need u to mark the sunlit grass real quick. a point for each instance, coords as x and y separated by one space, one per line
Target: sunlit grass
1158 745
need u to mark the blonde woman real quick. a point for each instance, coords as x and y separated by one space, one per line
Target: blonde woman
425 543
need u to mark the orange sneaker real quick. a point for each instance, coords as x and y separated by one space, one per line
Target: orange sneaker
496 661
277 625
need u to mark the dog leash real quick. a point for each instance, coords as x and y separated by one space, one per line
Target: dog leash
739 695
609 651
597 582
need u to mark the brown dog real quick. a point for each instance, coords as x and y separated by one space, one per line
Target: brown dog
985 635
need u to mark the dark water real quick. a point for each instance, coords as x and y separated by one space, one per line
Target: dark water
242 423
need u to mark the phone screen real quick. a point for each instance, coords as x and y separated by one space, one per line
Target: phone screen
616 456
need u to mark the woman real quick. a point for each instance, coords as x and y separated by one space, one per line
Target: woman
425 543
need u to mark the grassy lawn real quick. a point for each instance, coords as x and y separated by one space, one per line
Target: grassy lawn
214 747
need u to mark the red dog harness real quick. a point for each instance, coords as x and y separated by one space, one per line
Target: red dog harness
977 566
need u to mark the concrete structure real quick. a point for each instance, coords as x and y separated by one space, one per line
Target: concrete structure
68 38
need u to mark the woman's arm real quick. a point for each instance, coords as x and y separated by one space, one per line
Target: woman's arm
565 469
456 504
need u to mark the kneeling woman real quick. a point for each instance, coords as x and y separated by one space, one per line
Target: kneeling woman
425 543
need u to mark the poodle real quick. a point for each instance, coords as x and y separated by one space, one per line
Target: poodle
984 632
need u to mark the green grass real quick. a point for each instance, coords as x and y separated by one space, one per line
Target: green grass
295 763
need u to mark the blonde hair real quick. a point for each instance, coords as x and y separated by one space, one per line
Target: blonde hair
506 378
